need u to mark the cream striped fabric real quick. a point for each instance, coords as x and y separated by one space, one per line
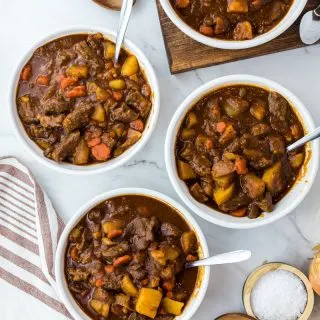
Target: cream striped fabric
29 232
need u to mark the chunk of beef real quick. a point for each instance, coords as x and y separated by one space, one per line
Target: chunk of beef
136 316
86 256
253 211
116 251
198 193
55 105
63 57
66 146
238 201
277 11
249 141
265 204
77 274
137 271
278 106
27 110
51 121
260 129
201 165
38 131
112 281
96 267
258 4
109 139
277 145
252 185
141 232
102 295
83 50
170 230
234 146
222 168
214 109
124 114
78 118
136 100
234 106
79 288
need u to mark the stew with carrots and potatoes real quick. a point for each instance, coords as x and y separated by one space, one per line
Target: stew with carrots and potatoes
125 260
77 105
232 19
231 150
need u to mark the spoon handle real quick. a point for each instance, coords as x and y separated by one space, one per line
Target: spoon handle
309 137
123 24
230 257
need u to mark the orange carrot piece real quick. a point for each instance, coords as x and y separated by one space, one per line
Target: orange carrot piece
109 268
65 82
221 126
121 260
145 282
137 125
101 152
42 80
93 142
239 213
77 92
115 233
241 165
168 285
169 294
26 73
117 95
191 258
99 282
74 253
206 30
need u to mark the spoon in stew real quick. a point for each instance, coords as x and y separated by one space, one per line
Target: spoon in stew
125 13
224 258
309 137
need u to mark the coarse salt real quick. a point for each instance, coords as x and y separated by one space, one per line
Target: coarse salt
278 295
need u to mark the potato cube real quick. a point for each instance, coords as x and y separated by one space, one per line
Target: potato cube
185 171
148 302
172 306
130 66
128 287
238 6
221 196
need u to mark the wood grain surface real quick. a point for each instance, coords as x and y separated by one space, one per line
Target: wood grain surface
186 54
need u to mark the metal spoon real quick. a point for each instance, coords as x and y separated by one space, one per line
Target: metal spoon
310 26
111 4
309 137
123 24
224 258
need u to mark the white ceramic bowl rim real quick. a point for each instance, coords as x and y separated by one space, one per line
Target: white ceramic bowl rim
296 194
94 168
63 290
283 25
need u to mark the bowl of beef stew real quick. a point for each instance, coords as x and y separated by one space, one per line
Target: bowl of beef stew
233 24
77 111
225 151
122 256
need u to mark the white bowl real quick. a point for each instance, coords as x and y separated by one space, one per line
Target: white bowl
291 200
34 149
294 12
203 278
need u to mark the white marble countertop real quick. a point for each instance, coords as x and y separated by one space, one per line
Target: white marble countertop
24 22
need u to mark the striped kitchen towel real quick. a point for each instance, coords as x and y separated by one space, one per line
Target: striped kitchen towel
29 233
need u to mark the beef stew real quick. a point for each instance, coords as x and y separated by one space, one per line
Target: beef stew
231 150
232 19
125 260
80 107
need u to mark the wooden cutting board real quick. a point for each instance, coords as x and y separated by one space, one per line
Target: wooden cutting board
186 54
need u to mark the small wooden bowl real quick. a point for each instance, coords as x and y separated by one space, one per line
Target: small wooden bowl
235 316
259 272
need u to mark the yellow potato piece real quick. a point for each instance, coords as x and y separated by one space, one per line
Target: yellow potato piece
221 196
130 66
98 114
109 49
117 84
148 302
185 171
172 306
128 287
223 181
77 71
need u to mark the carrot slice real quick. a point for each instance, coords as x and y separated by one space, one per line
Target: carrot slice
206 30
26 73
117 95
221 126
99 282
93 142
121 260
239 213
74 253
109 268
191 258
137 125
66 82
101 152
168 285
42 80
169 294
115 233
241 165
77 92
